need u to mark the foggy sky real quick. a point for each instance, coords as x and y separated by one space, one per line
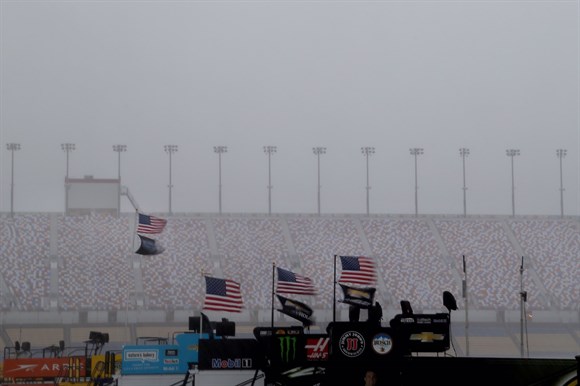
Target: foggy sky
439 75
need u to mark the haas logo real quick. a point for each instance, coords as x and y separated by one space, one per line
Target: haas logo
317 349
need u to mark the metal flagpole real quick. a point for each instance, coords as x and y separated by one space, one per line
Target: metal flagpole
334 293
466 307
272 317
523 296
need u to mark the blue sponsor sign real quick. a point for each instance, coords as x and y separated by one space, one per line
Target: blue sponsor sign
162 359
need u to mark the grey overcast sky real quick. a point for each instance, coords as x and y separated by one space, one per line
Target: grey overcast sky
439 75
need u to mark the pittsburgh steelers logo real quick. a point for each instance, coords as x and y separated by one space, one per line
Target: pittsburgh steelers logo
351 344
382 343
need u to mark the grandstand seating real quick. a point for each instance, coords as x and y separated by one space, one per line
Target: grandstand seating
59 272
88 262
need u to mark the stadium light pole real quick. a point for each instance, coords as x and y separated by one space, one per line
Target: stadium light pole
561 153
464 152
367 151
119 149
12 147
416 151
170 149
513 153
318 151
220 150
67 148
269 150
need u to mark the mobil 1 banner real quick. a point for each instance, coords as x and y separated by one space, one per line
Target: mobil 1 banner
228 354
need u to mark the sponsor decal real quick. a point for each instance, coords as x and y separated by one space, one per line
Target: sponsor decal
427 337
171 361
351 344
145 355
231 363
287 348
317 349
171 353
41 367
382 343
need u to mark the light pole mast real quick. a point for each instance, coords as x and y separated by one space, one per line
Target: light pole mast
119 149
12 147
317 152
67 148
170 149
416 151
513 153
269 150
561 153
367 151
464 152
220 150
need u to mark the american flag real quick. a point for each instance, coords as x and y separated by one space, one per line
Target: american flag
291 283
357 270
222 295
150 224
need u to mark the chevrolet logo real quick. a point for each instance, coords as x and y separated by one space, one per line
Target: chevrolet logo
427 337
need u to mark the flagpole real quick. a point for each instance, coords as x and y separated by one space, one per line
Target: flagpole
135 233
272 307
334 293
200 317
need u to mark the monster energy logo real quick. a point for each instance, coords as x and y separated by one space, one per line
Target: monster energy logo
287 348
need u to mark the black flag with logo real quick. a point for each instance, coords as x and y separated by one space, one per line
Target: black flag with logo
296 310
149 247
360 297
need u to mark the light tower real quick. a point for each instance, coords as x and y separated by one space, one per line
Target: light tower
464 152
119 149
12 147
416 151
269 150
318 151
67 148
220 150
513 153
561 153
367 151
170 149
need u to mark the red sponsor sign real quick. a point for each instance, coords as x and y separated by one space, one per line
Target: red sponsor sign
44 367
317 348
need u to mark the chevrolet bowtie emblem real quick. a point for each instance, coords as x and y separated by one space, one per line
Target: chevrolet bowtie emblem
427 337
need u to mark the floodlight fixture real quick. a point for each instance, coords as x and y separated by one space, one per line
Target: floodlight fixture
170 149
219 150
318 151
415 152
513 153
561 153
12 147
367 151
464 152
269 150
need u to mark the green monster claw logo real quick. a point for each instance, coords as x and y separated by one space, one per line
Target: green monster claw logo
287 348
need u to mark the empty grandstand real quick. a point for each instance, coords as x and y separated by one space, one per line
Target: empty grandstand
63 276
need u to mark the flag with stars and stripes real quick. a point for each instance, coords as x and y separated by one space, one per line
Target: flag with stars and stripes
150 224
358 270
222 295
292 283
